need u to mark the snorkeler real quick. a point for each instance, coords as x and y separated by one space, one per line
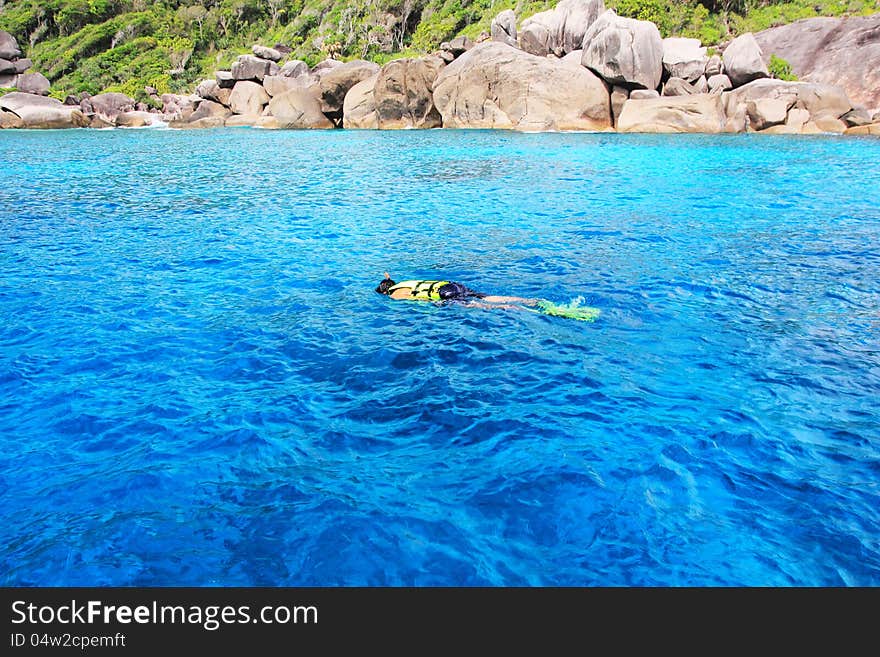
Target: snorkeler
416 290
442 291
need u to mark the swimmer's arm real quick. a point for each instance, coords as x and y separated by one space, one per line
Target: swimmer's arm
500 299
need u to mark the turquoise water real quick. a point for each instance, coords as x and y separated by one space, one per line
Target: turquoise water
198 385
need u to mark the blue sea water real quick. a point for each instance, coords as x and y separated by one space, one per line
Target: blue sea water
199 386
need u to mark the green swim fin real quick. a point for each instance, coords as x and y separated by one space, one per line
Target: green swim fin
572 310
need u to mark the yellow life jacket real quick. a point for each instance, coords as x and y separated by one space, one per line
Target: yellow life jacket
421 290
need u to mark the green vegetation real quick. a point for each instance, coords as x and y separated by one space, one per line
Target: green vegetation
781 69
125 45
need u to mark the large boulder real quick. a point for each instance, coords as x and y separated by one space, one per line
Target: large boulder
7 67
624 51
224 79
817 99
10 120
871 129
560 30
570 22
108 106
9 80
497 86
359 108
503 27
334 83
299 108
8 46
844 52
294 69
248 67
684 58
718 83
766 112
33 83
177 106
210 90
42 112
248 98
275 85
264 52
534 33
208 109
199 124
22 65
697 113
135 119
744 60
403 93
678 87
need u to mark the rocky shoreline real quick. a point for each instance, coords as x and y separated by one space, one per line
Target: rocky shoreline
575 67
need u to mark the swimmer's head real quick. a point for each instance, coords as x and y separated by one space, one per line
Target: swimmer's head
385 285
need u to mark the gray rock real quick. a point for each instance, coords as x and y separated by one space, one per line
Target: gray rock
460 45
678 87
177 106
40 112
33 83
242 121
497 86
844 52
9 80
624 51
534 33
200 124
718 83
136 119
644 94
701 85
684 58
326 65
446 56
275 85
248 98
7 67
402 94
359 108
744 60
570 21
22 65
619 95
210 90
16 100
560 30
334 84
10 120
71 100
766 112
108 105
698 113
816 99
224 79
503 27
264 52
294 69
714 66
98 123
208 109
298 109
857 116
8 46
248 67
